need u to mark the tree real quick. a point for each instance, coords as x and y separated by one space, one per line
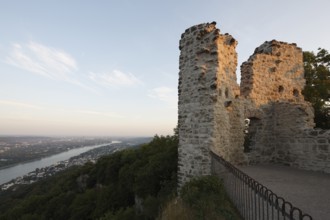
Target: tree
317 89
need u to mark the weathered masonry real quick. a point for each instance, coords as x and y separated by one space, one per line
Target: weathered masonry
264 120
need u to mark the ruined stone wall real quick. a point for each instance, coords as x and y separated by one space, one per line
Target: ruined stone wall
275 72
212 107
208 100
309 150
272 81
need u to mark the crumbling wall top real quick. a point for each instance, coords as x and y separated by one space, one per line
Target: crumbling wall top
270 47
274 72
200 32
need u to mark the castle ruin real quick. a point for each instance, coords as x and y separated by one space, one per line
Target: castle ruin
264 120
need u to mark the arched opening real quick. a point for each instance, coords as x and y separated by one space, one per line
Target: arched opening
252 125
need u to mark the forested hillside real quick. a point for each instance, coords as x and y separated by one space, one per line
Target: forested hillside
137 183
146 176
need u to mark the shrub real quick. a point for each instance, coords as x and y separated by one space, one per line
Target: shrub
207 199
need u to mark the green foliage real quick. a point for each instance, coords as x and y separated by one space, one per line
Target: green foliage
105 190
121 214
317 89
206 197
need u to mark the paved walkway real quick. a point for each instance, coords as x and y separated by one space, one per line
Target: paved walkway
307 190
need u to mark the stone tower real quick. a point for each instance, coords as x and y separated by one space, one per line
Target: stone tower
210 113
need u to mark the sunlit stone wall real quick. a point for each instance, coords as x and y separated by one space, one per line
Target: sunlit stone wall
210 112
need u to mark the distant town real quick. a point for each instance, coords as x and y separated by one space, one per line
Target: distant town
15 150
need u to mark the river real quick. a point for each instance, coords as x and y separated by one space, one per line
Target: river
22 169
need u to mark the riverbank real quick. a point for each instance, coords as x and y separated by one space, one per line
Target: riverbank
22 169
50 155
15 150
91 155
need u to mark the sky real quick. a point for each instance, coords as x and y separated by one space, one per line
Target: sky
110 68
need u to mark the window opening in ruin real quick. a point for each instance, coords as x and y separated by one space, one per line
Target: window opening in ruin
252 126
213 86
280 89
226 92
228 103
296 92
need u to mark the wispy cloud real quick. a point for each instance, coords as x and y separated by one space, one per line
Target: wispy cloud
39 59
165 94
116 78
106 114
19 104
45 61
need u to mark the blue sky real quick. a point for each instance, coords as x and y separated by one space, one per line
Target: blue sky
111 67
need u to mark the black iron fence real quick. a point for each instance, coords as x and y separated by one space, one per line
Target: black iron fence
253 200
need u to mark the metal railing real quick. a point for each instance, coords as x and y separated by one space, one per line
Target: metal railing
253 200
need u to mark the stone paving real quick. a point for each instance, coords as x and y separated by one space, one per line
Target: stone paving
307 190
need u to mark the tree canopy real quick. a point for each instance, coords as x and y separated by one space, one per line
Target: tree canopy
317 89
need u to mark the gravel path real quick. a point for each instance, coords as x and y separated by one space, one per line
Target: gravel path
307 190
